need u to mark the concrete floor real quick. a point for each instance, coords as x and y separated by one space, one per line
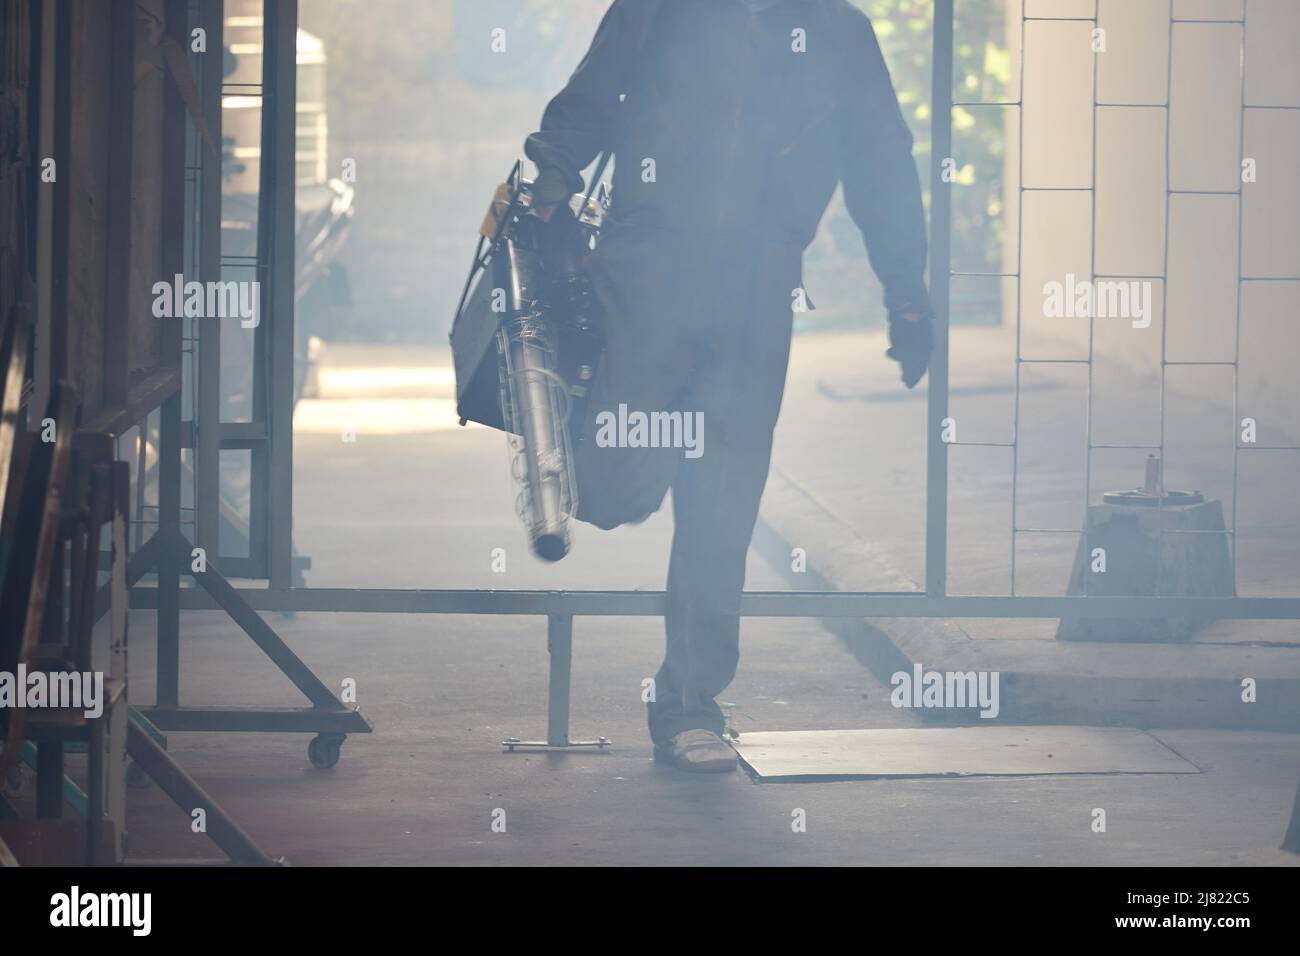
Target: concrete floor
426 510
443 692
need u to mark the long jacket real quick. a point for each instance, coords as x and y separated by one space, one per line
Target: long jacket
727 123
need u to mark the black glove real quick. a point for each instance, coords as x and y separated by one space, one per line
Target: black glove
552 187
910 341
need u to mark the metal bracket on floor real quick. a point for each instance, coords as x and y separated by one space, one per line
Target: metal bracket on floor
559 644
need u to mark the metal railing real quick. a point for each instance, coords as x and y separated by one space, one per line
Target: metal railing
560 607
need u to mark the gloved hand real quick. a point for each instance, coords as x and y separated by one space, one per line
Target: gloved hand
910 342
550 191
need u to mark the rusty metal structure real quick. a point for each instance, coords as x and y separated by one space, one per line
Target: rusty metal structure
111 174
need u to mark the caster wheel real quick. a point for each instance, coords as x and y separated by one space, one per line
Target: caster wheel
136 778
323 751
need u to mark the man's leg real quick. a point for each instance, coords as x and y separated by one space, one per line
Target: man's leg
715 504
716 498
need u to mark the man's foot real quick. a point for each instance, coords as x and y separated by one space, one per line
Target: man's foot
697 751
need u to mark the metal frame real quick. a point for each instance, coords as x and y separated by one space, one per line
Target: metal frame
192 184
268 435
560 607
272 457
73 489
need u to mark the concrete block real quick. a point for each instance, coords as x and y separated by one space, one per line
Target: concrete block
1175 550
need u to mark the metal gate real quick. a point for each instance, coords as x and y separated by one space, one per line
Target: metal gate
560 607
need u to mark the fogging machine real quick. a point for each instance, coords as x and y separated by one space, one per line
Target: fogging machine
526 345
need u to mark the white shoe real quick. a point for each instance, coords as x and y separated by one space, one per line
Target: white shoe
697 751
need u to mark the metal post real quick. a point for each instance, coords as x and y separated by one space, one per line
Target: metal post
276 198
169 580
936 457
49 780
52 320
207 411
117 271
559 644
169 414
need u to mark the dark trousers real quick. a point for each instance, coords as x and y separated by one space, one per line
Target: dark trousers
691 326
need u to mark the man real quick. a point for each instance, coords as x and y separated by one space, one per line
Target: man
730 121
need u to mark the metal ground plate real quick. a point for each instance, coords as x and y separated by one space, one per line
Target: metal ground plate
955 751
